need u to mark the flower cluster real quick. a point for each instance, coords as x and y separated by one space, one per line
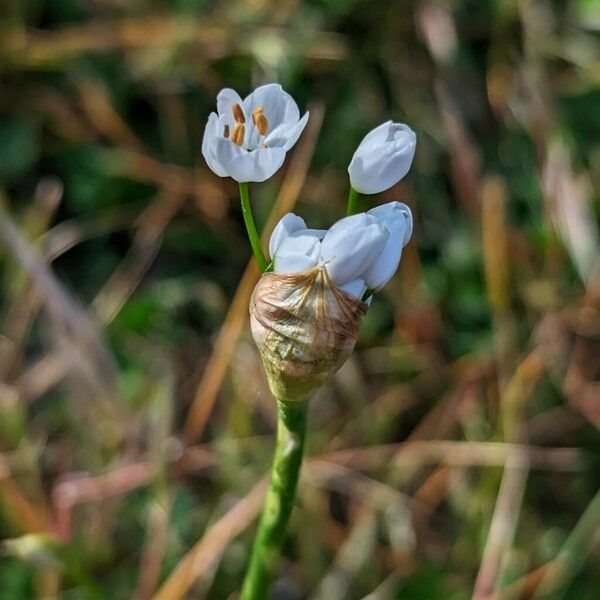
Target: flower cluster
305 315
307 307
360 252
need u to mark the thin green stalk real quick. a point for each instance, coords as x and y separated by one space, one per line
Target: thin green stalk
291 431
251 227
352 202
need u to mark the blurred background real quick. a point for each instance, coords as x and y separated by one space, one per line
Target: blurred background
456 455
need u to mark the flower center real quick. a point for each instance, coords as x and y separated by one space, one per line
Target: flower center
238 133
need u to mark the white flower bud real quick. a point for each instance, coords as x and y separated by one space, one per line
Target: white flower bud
288 224
397 219
351 246
358 252
383 158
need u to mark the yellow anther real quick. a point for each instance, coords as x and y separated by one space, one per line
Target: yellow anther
260 120
237 136
262 124
226 131
238 113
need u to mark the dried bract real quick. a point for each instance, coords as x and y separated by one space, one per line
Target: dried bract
305 328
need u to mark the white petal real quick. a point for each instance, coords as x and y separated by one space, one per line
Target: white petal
318 233
371 177
299 243
355 288
357 221
287 224
287 134
395 210
294 263
347 254
226 98
225 151
257 165
209 148
375 137
379 162
278 107
381 271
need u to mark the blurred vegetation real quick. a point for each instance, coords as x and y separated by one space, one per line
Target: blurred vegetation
454 456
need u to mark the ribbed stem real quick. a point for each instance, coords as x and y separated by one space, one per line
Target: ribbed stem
291 431
251 227
352 202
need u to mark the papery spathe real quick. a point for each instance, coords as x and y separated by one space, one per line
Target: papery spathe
383 158
248 139
305 328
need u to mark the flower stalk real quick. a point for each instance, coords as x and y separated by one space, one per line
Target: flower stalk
251 227
352 206
291 433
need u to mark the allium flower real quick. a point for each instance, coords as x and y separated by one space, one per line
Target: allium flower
359 252
383 158
305 315
248 139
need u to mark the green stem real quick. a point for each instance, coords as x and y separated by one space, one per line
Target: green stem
291 431
352 202
251 227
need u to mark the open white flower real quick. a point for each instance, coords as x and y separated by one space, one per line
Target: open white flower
359 252
383 158
248 139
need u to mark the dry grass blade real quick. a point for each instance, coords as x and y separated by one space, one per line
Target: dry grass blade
495 242
212 39
524 587
455 453
24 302
343 479
573 554
216 368
42 375
514 478
202 556
130 271
69 318
503 526
103 117
25 517
160 427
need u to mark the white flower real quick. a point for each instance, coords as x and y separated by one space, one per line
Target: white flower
359 252
383 158
248 139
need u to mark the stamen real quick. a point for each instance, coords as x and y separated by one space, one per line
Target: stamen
226 131
260 120
239 131
238 113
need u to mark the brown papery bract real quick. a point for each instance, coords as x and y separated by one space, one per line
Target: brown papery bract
305 328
